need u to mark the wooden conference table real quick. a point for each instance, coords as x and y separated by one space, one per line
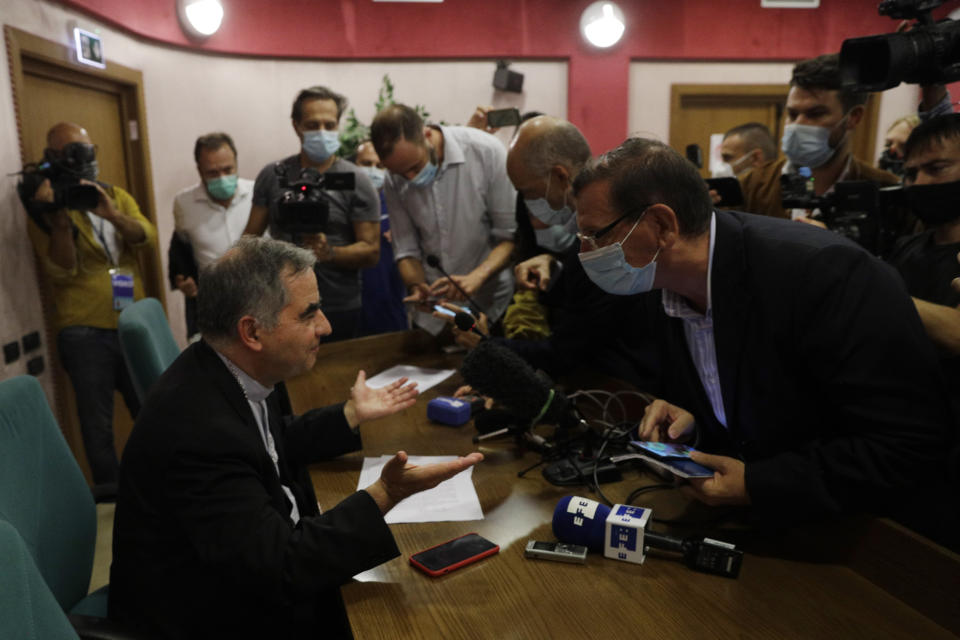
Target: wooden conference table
864 579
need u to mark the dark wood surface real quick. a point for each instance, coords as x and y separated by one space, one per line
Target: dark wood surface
881 582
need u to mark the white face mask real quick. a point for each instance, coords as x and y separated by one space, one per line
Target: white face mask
727 169
542 211
376 176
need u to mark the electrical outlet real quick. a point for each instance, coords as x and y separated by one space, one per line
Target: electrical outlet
11 351
35 366
31 341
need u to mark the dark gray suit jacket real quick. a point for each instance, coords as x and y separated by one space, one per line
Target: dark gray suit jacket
831 388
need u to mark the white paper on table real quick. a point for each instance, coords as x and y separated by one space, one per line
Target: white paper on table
425 378
454 499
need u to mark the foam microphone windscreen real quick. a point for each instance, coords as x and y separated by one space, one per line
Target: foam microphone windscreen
580 521
433 261
464 321
495 371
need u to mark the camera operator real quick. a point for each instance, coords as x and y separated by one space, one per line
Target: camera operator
821 119
928 260
91 259
351 239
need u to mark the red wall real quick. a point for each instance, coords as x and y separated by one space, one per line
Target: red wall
598 81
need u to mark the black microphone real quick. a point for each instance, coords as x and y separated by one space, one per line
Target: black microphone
495 371
466 322
434 261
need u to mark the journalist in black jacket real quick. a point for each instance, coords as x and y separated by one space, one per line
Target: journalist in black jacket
830 390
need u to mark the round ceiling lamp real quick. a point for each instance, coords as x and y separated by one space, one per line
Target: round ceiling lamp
200 18
602 24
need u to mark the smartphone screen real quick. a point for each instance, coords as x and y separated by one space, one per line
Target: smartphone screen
503 117
664 449
681 467
443 310
453 554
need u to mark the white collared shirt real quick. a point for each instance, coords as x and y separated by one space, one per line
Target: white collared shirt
698 329
466 211
256 395
208 226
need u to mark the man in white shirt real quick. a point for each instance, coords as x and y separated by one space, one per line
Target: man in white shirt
209 217
448 196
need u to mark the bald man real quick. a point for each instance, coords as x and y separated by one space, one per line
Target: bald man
544 159
91 260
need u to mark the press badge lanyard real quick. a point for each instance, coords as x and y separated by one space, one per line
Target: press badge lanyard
121 279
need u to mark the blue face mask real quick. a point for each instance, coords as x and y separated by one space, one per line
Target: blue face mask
608 268
556 238
807 145
542 211
376 176
429 172
320 145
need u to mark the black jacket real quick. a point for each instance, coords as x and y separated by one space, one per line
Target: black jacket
203 542
831 389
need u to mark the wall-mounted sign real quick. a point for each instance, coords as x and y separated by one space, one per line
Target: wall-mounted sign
89 48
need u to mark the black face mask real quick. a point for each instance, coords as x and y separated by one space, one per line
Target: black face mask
890 162
934 204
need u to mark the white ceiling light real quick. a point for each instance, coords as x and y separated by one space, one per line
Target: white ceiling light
602 24
200 18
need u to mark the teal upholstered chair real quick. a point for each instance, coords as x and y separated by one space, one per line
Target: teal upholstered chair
147 343
43 494
28 611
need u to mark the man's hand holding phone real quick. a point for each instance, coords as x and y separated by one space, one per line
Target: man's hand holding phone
728 486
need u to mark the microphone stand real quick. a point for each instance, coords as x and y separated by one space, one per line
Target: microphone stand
434 262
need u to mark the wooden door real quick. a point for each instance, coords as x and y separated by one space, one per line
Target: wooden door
698 111
51 87
49 100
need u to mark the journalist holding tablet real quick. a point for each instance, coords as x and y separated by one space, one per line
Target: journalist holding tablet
791 355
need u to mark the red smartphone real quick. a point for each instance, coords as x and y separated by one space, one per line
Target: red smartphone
453 554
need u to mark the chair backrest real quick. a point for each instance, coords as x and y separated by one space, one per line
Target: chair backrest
147 343
27 608
43 493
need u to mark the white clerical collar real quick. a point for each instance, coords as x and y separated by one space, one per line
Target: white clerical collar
253 390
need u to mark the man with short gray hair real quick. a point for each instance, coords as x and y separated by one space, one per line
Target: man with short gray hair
776 367
217 530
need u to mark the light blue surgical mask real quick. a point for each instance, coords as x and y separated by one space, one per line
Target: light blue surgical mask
608 268
542 211
429 172
807 145
376 176
556 238
320 145
222 187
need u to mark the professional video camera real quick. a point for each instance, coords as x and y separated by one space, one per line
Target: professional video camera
75 161
927 54
303 205
856 209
